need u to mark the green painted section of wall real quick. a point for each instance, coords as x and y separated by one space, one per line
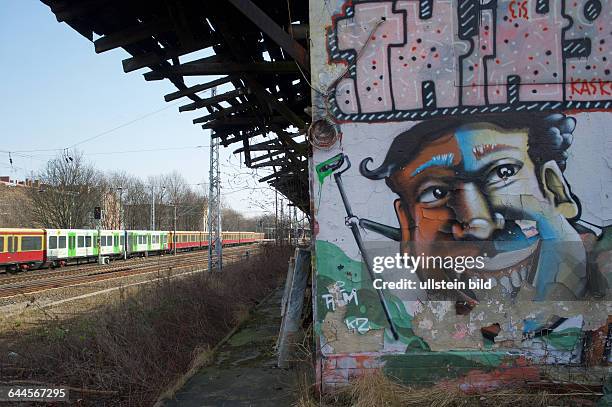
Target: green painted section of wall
334 267
435 366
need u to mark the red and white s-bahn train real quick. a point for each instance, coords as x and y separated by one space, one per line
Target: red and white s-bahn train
24 249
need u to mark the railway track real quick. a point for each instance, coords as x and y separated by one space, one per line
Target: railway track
85 268
180 263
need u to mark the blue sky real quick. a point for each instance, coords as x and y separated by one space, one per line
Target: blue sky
57 92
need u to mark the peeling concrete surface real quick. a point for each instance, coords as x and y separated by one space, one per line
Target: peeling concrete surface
244 371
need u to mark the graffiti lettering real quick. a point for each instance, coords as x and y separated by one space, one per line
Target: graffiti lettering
329 301
518 9
466 57
339 296
592 87
361 325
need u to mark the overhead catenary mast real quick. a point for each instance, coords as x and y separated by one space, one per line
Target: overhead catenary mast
215 244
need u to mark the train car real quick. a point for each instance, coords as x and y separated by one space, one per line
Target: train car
73 245
231 238
112 243
250 237
188 240
143 242
22 249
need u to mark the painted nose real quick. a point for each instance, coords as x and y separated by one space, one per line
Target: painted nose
474 218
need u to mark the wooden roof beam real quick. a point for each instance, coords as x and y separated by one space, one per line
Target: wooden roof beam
240 121
223 112
264 146
277 105
160 55
197 88
212 100
131 35
276 33
222 68
79 9
271 163
268 155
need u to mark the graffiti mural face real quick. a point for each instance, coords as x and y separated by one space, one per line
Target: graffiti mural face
495 187
465 128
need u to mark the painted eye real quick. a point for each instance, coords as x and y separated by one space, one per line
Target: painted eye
503 172
433 194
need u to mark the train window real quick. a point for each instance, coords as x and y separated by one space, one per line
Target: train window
71 242
102 241
81 241
61 242
115 240
1 244
88 241
52 242
121 240
29 243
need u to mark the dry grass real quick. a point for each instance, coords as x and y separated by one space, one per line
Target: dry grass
128 352
376 389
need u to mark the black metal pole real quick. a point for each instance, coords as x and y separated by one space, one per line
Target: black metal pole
353 222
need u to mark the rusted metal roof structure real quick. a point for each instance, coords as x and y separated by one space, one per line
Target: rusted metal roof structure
262 49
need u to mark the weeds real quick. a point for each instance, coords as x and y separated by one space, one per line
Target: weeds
126 353
376 389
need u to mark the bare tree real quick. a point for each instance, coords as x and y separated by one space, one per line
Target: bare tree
70 189
190 204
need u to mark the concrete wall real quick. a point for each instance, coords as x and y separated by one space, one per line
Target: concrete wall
472 128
